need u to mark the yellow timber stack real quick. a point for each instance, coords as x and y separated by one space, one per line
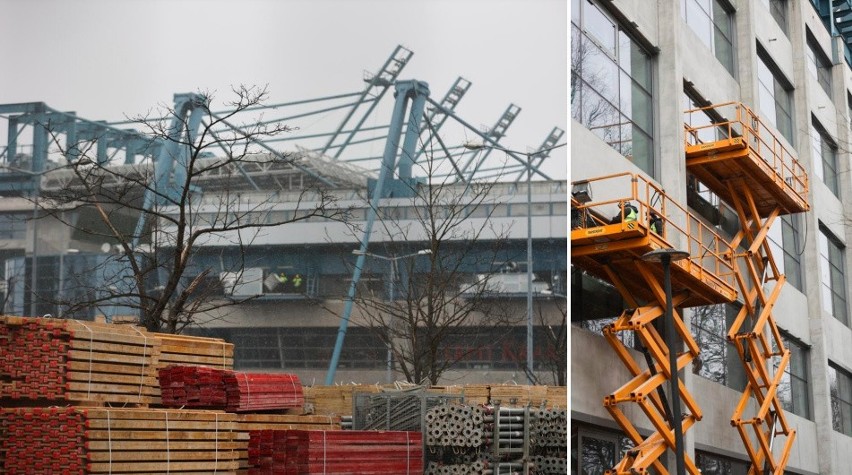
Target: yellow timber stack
613 252
740 160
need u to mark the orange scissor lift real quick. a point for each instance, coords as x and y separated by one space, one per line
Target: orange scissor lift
740 159
612 252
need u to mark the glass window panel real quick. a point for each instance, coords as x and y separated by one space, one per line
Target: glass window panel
597 457
642 148
628 91
839 308
600 73
699 22
778 9
800 397
600 27
724 52
643 114
640 66
722 19
810 61
625 52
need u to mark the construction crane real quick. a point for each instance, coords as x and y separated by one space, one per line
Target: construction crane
742 161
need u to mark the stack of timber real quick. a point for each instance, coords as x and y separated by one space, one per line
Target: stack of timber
473 394
99 440
195 351
336 400
518 395
49 361
197 386
335 452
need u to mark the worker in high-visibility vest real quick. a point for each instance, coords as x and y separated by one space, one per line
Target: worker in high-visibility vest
297 282
625 210
282 279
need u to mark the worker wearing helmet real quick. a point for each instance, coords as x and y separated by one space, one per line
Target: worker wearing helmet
626 211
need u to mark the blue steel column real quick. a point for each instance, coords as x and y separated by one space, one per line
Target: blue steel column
412 131
12 139
192 124
403 91
164 163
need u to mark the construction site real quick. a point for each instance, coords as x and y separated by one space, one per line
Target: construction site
127 349
709 314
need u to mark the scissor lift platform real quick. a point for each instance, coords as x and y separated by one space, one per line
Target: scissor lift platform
602 248
729 154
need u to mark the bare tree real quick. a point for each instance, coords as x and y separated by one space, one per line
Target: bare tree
443 307
157 225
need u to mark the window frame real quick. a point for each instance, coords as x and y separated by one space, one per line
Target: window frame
818 64
781 93
840 401
785 241
631 103
715 26
798 351
837 268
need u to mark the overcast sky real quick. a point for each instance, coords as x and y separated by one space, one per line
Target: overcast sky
106 59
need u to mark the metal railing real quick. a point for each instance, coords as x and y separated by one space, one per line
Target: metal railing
679 227
733 120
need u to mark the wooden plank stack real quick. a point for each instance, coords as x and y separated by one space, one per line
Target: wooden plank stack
518 395
76 440
191 350
336 400
72 361
335 452
197 386
474 394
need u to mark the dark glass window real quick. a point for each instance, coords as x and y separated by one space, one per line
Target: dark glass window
793 391
819 66
785 241
718 360
712 464
778 10
595 450
776 98
832 277
823 149
841 399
